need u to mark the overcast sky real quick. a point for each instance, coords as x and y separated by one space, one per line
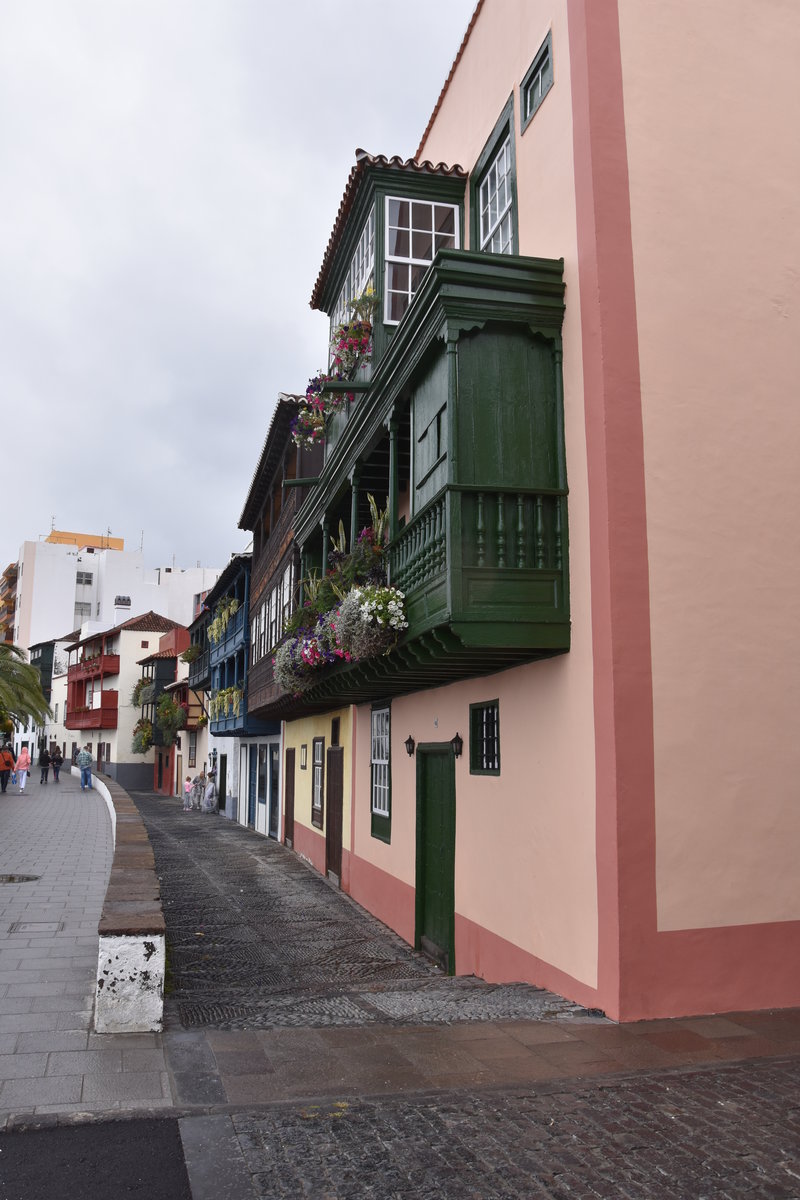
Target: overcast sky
171 172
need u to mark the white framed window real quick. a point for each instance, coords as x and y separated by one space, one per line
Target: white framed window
380 773
360 275
317 780
495 203
537 82
415 231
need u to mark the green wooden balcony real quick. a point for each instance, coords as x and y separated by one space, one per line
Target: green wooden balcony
461 427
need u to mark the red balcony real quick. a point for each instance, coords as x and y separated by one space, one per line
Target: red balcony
104 717
90 668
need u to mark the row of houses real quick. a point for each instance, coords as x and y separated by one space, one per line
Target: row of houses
559 419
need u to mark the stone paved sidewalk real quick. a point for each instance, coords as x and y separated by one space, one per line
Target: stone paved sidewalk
50 1061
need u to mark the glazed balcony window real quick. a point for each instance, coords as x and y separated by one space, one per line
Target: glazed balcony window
415 231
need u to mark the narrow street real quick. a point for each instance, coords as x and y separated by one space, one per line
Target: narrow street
257 939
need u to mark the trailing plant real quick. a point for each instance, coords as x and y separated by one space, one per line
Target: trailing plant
170 717
192 653
143 692
299 657
224 699
142 736
370 620
227 608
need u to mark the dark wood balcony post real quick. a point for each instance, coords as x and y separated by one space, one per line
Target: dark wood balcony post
355 477
300 587
394 490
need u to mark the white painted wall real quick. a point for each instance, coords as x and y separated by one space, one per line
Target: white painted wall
47 591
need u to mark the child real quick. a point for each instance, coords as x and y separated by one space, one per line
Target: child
187 794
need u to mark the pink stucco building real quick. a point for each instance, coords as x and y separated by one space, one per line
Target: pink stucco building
633 842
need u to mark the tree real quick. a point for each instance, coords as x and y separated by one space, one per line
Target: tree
21 694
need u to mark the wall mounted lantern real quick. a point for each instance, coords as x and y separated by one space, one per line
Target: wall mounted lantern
410 744
458 745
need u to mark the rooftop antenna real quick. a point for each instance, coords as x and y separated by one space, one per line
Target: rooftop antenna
52 524
141 541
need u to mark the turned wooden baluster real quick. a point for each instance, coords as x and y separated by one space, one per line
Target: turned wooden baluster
501 530
520 530
559 551
539 531
480 532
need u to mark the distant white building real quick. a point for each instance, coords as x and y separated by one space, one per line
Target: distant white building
81 581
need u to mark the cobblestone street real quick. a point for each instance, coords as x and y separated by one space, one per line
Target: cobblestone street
257 939
727 1132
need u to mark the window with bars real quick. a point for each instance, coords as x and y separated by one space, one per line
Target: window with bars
415 231
317 780
380 773
484 738
537 82
493 190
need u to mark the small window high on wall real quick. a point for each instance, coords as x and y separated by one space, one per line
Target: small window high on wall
537 82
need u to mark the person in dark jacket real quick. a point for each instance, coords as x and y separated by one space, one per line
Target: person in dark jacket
6 766
44 763
56 760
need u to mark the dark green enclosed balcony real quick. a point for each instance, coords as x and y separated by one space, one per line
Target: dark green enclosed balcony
461 429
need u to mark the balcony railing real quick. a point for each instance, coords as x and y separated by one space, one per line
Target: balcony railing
90 668
199 671
232 638
102 716
240 724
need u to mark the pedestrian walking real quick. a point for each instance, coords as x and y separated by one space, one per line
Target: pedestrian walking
210 797
187 794
56 760
44 763
85 764
6 766
22 767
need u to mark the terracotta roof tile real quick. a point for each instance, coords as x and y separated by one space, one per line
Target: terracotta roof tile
363 161
158 654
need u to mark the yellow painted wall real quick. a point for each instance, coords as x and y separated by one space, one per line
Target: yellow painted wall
302 733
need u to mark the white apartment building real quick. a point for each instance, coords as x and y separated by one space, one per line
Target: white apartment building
63 587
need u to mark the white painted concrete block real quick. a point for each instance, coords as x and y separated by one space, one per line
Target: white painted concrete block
130 984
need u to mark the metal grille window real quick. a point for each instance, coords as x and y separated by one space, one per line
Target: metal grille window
484 738
192 748
380 770
495 201
415 231
317 780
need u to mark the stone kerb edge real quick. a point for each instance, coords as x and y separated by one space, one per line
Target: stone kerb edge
131 963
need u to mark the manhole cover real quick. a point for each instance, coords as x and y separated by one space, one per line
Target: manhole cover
18 878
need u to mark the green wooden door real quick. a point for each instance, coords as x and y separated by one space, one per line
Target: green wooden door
436 852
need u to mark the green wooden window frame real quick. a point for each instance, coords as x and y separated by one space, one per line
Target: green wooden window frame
484 738
502 133
380 771
318 781
537 82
